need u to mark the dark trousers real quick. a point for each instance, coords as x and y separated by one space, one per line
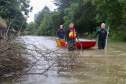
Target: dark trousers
71 44
101 43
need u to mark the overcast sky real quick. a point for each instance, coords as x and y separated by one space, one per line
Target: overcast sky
38 5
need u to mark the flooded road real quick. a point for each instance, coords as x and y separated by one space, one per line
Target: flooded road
52 65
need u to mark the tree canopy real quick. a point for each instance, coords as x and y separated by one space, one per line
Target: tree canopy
14 12
86 14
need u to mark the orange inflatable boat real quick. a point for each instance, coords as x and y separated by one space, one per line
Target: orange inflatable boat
80 44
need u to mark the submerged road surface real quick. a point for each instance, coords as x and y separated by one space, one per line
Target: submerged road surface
52 65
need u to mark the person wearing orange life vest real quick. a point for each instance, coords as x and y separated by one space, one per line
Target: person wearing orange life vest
71 36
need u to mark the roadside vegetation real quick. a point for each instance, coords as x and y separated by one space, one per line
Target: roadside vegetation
13 15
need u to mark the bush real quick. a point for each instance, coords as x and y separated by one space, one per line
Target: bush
118 36
11 60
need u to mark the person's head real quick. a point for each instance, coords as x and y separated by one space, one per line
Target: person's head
103 25
61 26
71 25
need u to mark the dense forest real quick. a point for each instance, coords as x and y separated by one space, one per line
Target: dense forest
86 14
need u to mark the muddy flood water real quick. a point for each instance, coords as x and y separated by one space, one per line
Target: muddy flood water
52 65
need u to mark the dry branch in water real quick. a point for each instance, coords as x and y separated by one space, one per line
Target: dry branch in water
20 60
55 59
11 60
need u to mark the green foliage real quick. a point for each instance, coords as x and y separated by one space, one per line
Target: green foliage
47 22
85 20
44 22
82 13
31 29
69 13
14 12
86 14
57 20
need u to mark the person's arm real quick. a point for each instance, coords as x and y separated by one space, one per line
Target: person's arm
96 34
77 35
106 34
64 33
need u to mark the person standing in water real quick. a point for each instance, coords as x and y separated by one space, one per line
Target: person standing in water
61 32
102 34
61 36
71 36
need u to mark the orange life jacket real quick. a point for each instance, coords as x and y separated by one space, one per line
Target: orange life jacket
72 33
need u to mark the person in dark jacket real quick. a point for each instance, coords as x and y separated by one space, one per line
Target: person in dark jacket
102 34
61 32
71 36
